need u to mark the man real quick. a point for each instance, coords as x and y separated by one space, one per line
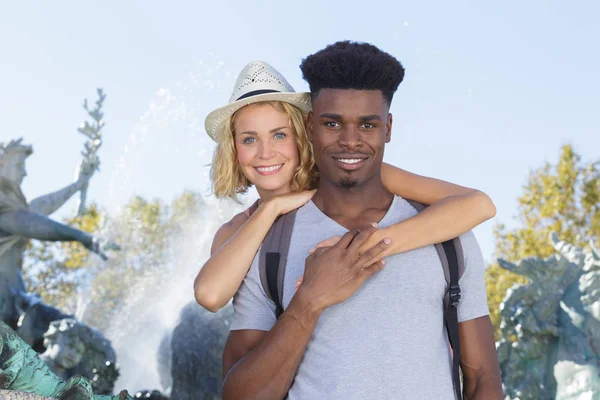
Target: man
355 330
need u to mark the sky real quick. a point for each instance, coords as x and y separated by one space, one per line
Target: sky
492 89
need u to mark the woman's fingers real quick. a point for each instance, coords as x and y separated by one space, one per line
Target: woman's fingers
374 254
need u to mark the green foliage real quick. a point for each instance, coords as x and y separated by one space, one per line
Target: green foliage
58 271
562 198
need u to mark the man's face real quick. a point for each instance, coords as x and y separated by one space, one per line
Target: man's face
348 130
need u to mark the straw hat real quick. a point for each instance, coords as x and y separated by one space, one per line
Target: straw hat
257 82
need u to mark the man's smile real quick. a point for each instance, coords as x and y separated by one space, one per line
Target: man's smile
350 162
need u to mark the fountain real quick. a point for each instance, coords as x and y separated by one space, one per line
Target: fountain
157 336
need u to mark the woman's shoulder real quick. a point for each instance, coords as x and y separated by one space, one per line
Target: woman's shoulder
229 228
236 222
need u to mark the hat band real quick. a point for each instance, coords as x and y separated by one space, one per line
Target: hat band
256 93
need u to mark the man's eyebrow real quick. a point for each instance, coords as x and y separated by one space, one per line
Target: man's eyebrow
370 117
331 116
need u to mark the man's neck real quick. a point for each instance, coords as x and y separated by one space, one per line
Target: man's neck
345 205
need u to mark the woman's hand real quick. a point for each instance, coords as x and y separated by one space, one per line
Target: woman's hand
288 202
326 243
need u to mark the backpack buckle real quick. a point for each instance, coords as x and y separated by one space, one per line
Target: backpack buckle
454 295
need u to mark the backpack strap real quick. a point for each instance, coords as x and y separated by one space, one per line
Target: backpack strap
273 259
453 263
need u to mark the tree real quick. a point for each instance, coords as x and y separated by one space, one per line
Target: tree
562 198
149 232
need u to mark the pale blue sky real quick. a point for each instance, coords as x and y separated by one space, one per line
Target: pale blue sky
491 90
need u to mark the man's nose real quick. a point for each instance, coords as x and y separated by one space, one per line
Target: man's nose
350 138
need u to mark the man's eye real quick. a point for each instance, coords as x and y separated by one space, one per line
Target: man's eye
280 135
248 140
368 125
332 124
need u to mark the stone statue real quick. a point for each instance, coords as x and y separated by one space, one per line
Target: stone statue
20 221
22 371
98 362
73 348
195 349
550 346
64 348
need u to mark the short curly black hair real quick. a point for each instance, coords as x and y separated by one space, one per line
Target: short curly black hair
352 65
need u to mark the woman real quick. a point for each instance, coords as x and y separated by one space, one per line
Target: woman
262 141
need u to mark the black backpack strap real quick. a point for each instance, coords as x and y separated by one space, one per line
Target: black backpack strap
451 313
453 264
273 259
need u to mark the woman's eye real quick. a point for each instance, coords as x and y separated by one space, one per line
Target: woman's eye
280 135
248 140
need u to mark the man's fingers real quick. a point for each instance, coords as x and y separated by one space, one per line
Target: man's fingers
374 253
347 239
362 237
326 243
316 252
368 272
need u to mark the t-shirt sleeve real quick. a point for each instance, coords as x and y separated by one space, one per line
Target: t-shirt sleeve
473 300
252 308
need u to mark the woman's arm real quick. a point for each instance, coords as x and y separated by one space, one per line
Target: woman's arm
453 211
234 247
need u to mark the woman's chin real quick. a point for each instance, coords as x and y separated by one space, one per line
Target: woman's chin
272 188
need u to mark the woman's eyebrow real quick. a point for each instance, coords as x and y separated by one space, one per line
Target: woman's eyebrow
278 129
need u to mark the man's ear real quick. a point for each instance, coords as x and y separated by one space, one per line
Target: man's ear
309 126
388 129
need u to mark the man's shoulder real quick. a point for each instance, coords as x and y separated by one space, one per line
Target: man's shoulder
470 248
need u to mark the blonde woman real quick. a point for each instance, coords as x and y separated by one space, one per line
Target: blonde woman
262 142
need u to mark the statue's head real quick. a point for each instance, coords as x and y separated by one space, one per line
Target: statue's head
64 344
12 160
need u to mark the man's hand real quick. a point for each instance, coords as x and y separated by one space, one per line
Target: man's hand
333 274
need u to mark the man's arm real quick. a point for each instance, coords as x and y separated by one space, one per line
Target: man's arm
49 203
262 365
478 360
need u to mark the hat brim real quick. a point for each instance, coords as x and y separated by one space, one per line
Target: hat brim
215 120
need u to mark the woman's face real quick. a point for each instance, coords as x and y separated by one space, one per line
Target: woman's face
266 148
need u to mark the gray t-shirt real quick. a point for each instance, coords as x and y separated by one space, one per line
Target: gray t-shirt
387 341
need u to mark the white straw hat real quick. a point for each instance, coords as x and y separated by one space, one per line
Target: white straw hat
257 82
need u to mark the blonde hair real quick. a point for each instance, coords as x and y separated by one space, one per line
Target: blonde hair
226 175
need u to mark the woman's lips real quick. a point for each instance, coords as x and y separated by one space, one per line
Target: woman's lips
268 170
